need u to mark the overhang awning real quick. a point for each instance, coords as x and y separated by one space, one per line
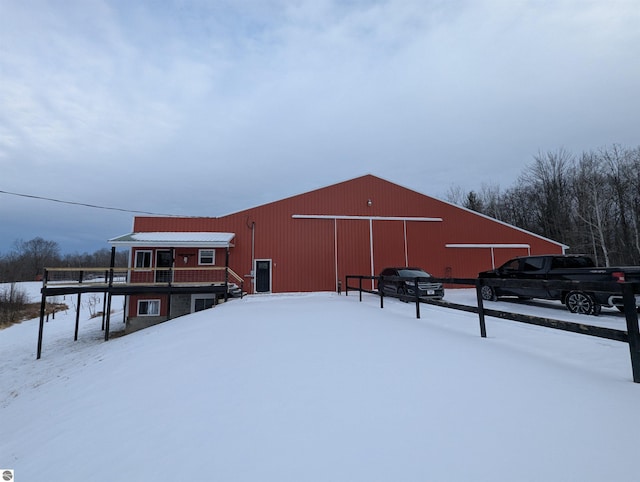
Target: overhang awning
175 240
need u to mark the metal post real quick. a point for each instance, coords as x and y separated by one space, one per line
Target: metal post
75 336
108 293
360 287
108 318
43 304
381 293
631 314
483 328
104 297
416 290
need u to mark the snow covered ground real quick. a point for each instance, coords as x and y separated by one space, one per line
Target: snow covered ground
319 387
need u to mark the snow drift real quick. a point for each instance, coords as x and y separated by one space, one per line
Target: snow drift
317 387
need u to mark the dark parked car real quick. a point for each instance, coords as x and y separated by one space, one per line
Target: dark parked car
401 282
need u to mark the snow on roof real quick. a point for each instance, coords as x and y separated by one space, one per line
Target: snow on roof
197 239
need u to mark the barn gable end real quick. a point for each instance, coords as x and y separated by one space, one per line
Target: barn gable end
311 241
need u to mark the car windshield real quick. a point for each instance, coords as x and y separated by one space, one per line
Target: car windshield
413 273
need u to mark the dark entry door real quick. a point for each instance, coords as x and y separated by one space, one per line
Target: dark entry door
263 276
164 261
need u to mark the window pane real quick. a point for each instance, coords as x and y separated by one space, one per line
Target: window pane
533 264
207 256
203 303
143 259
149 307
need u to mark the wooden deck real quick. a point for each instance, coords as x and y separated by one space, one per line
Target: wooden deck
113 281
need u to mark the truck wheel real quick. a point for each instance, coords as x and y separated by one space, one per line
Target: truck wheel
488 293
583 303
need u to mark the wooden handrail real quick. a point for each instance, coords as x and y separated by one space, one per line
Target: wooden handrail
236 276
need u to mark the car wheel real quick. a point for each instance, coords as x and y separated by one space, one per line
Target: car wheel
583 303
402 293
488 293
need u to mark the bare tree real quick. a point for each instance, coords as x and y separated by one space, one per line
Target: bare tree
618 163
634 163
455 195
592 203
36 254
473 202
491 200
548 176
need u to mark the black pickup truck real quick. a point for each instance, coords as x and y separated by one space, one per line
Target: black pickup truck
560 268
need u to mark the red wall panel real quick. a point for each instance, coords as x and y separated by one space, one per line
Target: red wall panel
354 253
303 251
388 244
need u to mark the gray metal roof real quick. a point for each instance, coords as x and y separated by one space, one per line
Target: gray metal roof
175 239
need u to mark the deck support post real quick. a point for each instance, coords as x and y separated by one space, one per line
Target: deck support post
104 298
75 336
43 304
108 293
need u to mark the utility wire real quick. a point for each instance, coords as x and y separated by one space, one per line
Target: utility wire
94 206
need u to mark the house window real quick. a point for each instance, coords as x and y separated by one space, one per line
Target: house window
148 307
203 304
207 256
202 301
143 259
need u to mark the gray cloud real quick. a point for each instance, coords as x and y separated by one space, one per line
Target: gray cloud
205 108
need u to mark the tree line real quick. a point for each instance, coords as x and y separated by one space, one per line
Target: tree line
590 202
27 260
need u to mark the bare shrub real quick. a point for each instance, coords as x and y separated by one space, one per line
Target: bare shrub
13 301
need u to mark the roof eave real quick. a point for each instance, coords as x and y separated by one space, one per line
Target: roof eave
168 244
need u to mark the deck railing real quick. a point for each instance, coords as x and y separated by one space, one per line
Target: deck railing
54 277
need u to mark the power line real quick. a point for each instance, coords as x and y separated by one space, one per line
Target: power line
94 206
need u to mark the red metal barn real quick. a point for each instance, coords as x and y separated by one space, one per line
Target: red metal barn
311 241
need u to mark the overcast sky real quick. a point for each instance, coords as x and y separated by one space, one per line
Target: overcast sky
208 107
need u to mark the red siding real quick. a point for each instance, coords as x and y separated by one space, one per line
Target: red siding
388 244
353 248
303 250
